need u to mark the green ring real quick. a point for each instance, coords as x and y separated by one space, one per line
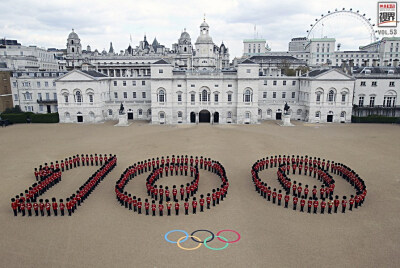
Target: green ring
223 238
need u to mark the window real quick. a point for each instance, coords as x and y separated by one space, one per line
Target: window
229 85
91 98
192 97
342 114
66 98
46 84
115 83
343 97
247 96
391 84
274 83
14 84
109 112
363 83
40 108
389 101
143 83
293 95
374 83
160 71
78 96
133 83
299 111
247 115
47 96
134 95
124 83
317 114
229 97
143 95
283 95
216 97
39 95
179 114
179 97
248 71
140 112
179 85
293 83
284 83
264 95
361 101
274 95
229 115
269 112
372 101
192 85
204 95
162 115
54 84
16 97
116 95
215 85
125 95
38 84
319 97
161 96
265 82
331 96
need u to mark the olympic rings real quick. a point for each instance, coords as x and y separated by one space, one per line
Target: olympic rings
198 240
229 242
186 237
219 237
212 235
173 242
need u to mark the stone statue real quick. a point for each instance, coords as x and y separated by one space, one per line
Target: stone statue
121 109
286 108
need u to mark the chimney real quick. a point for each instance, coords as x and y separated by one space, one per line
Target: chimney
395 63
374 62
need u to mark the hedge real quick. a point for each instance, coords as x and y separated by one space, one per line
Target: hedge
376 119
35 118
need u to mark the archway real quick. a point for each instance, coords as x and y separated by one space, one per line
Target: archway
130 114
79 117
204 116
278 115
192 117
216 117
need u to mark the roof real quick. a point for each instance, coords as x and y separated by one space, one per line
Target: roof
322 39
162 61
316 72
253 40
3 65
94 73
247 61
73 35
269 59
378 70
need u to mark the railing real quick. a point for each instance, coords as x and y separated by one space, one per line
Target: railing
376 107
47 101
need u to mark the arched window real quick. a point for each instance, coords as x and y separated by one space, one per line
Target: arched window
161 96
78 96
342 114
318 99
229 115
269 112
72 49
247 96
331 96
91 114
179 114
204 95
72 42
67 115
162 115
140 112
343 97
247 115
65 98
90 98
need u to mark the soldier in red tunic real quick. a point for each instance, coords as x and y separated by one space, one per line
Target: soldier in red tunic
186 205
201 202
323 205
309 203
208 199
22 207
287 198
54 205
279 197
169 205
161 208
174 193
314 192
336 203
48 206
194 205
139 206
176 208
62 207
302 204
146 206
344 203
29 207
274 194
41 207
153 207
316 204
330 205
295 200
351 202
182 192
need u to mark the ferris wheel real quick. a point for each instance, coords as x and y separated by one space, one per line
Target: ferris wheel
366 22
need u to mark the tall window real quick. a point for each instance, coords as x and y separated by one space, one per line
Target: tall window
274 95
229 97
372 101
179 97
179 114
192 97
318 97
204 95
293 95
247 96
66 98
343 97
140 112
317 114
283 95
125 95
331 95
161 96
91 98
264 95
134 95
389 101
39 95
247 115
216 97
361 101
143 95
78 96
229 115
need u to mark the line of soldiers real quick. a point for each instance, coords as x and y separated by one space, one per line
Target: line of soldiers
170 167
24 203
319 169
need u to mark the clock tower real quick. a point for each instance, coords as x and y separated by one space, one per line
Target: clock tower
205 56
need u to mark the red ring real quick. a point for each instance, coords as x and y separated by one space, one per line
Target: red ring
230 242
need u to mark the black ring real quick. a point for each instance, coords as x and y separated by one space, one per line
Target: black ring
195 240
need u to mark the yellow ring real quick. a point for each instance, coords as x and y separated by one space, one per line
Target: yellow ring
179 240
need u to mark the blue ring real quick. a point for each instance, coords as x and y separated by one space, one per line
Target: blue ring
174 242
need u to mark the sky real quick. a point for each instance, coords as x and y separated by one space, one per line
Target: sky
47 23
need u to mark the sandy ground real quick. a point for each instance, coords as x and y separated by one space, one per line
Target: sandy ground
103 234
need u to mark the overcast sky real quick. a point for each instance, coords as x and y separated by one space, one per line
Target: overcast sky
47 23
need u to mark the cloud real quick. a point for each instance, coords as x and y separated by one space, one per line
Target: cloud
47 23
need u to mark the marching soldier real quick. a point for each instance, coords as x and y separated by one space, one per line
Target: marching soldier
302 204
309 203
201 202
287 198
176 208
153 207
169 205
344 203
146 206
186 205
274 194
351 202
48 206
208 199
29 207
316 203
295 200
160 208
41 207
139 205
336 203
62 207
194 205
323 205
330 205
54 204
